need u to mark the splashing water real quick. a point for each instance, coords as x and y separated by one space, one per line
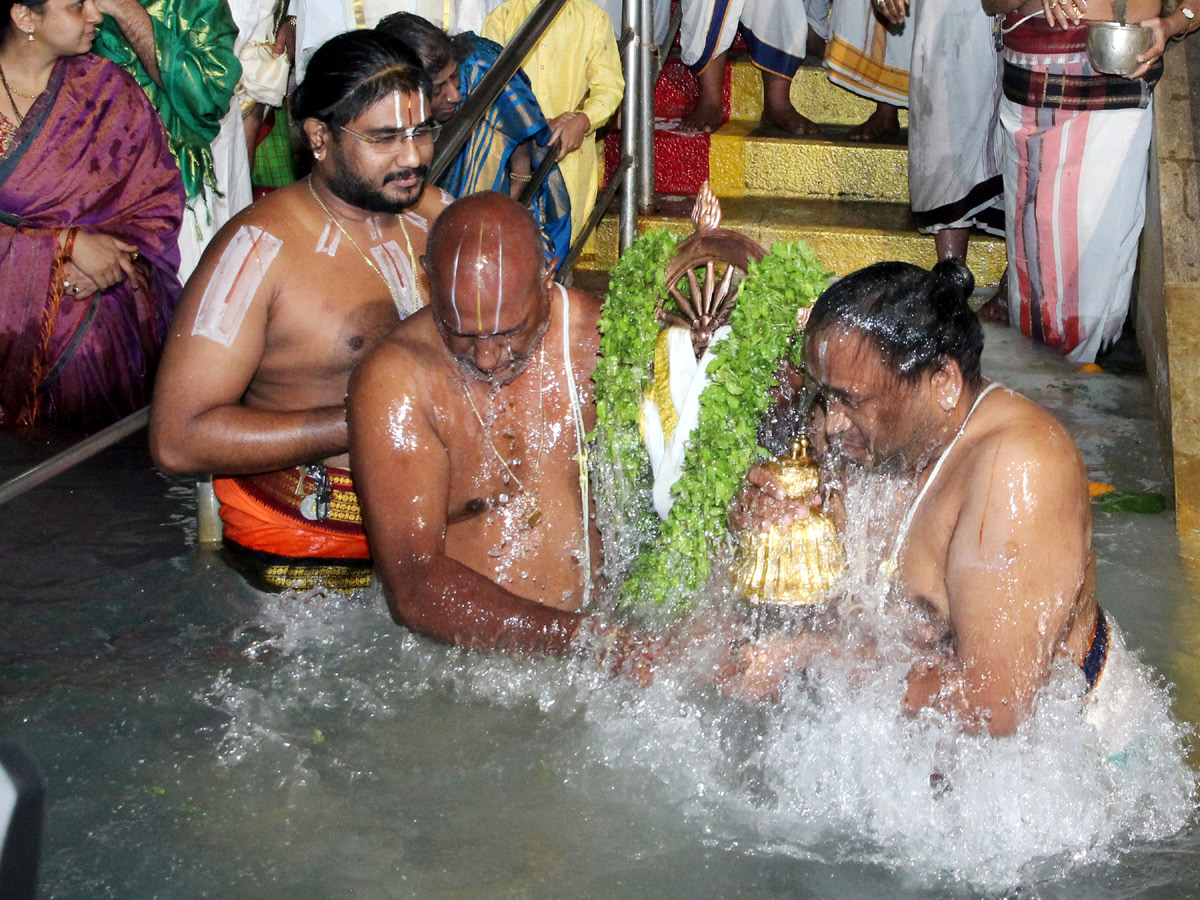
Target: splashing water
829 772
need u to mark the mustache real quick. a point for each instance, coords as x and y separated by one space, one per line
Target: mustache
514 366
410 172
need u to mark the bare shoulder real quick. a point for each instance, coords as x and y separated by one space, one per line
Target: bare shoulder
1019 437
270 226
404 360
276 212
585 318
432 204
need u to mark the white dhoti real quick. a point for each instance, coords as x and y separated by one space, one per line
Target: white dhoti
214 206
1074 201
820 14
867 56
953 109
775 30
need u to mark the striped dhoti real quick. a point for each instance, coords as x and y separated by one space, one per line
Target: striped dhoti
1076 157
868 56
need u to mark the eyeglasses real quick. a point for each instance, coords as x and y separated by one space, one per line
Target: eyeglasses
422 135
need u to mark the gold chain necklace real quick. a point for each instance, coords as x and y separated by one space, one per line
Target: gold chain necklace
9 91
412 257
9 87
535 516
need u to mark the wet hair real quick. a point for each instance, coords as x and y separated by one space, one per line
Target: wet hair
917 319
433 47
351 72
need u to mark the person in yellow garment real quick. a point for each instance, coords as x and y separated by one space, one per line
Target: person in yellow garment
576 75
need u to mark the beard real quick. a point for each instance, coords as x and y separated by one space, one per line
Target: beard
352 188
510 370
500 376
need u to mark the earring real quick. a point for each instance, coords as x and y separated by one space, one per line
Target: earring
30 33
317 155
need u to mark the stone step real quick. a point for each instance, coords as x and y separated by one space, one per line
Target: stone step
746 159
845 234
812 94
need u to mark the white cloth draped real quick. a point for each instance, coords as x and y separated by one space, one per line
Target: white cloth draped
688 378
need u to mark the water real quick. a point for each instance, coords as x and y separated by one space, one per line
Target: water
201 740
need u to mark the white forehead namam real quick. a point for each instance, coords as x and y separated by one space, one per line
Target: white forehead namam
466 294
416 117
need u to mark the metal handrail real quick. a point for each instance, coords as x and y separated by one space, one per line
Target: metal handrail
632 150
598 212
630 114
672 33
84 449
456 132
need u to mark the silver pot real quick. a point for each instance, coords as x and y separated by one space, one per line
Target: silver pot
1114 49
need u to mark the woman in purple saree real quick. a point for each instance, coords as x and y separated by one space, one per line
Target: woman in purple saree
90 206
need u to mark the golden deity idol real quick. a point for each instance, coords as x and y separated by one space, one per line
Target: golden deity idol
790 565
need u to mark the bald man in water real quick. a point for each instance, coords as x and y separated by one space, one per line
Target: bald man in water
466 439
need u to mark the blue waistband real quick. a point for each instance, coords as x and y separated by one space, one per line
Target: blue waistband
1093 663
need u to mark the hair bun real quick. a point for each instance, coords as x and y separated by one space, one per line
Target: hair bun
953 273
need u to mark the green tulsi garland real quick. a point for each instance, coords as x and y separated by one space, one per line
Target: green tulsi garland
674 557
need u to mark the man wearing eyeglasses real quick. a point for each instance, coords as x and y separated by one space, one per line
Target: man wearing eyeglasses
289 296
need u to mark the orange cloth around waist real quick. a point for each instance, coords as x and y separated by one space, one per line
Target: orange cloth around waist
262 512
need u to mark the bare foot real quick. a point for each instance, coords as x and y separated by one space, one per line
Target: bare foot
778 111
996 309
882 125
709 112
707 115
790 121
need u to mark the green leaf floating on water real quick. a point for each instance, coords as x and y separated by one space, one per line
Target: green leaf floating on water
1143 502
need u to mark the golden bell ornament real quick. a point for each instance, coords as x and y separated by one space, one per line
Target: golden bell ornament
792 565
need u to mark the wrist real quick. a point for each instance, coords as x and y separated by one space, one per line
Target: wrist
66 248
1182 22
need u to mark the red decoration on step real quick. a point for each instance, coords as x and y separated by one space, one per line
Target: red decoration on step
680 160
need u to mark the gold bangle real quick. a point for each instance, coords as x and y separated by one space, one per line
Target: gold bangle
515 176
68 247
